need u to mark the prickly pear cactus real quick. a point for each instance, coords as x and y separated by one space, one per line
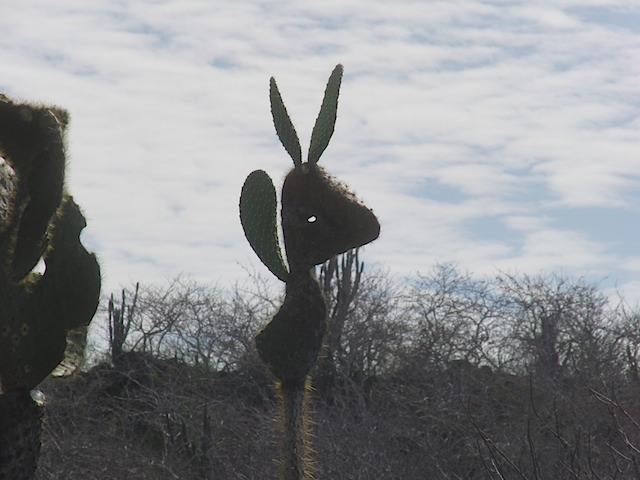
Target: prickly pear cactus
320 218
43 316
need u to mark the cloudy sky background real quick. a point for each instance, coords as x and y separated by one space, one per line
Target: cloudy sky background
500 135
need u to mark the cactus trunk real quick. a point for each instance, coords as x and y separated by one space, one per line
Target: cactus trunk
20 430
295 441
43 317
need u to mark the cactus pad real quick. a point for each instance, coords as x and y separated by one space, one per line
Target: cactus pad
326 121
321 218
258 215
284 127
37 312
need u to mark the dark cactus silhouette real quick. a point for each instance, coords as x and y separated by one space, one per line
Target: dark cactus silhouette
43 316
320 218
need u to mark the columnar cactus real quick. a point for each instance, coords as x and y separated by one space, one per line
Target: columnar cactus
320 218
43 316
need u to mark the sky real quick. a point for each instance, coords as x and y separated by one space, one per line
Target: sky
498 135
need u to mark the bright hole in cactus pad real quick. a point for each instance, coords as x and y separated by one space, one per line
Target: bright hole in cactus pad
312 219
40 267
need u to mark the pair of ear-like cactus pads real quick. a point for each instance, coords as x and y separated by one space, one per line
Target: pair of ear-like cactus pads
321 218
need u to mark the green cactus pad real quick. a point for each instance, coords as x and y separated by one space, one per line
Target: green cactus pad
258 215
284 127
326 121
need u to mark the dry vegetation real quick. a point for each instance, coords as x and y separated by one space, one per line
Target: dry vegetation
447 377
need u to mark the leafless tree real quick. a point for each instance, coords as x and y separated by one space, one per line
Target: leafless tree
453 317
445 376
560 326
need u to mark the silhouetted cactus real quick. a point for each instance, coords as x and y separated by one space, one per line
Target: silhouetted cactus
120 318
321 218
43 317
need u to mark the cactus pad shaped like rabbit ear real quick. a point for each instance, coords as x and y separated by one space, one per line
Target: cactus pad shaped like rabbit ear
323 128
258 215
321 217
284 126
326 121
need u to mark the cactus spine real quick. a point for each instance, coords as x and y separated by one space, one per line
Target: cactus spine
43 317
320 218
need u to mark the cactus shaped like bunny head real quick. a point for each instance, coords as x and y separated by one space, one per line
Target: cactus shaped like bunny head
321 218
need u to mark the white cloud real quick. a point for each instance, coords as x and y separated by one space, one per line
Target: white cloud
461 123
